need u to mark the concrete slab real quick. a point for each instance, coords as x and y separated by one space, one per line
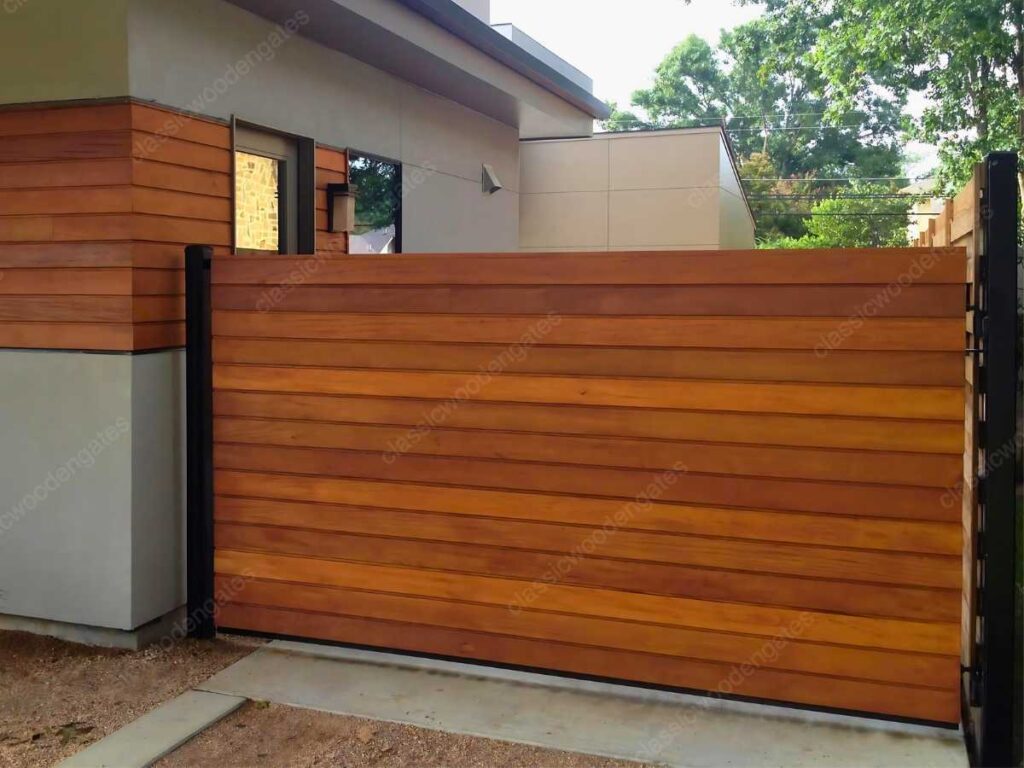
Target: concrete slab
578 716
158 733
170 625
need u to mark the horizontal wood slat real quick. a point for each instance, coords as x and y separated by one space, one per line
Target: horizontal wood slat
96 205
660 461
668 565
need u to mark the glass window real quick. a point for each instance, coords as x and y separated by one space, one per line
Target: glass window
257 202
377 187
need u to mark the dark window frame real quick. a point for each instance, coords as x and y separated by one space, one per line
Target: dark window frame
305 193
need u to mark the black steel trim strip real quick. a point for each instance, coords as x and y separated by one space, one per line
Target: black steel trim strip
199 442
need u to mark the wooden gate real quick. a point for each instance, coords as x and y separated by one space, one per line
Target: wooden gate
733 472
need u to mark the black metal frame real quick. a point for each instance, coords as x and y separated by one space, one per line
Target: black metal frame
199 442
990 713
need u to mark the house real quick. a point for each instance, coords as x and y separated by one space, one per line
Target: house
638 190
129 128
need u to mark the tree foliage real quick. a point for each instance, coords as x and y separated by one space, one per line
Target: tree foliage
761 85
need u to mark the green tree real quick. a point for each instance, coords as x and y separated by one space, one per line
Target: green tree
761 86
863 216
965 56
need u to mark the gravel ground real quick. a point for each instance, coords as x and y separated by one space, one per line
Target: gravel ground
262 734
56 698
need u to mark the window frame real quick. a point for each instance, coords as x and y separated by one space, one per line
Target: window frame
297 218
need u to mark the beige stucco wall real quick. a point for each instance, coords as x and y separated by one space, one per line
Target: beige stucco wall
52 51
185 53
632 191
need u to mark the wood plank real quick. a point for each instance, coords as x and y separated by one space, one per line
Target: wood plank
158 282
65 255
68 173
73 309
944 403
167 149
884 666
632 514
766 429
942 537
919 703
158 336
172 123
701 457
822 335
51 202
331 159
923 368
176 177
86 336
892 634
170 229
148 309
668 300
875 266
35 120
65 146
625 556
162 202
100 282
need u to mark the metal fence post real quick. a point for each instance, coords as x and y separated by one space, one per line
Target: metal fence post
994 730
199 441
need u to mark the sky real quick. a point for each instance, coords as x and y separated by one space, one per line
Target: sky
619 43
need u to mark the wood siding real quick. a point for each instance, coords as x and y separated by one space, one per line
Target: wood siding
96 205
721 471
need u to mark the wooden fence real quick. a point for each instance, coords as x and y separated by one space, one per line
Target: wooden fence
724 471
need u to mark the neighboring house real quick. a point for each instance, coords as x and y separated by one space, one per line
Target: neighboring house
647 190
129 128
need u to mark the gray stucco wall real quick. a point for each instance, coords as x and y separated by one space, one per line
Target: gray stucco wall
91 520
186 54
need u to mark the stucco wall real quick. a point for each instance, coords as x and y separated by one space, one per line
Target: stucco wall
52 51
92 517
186 54
636 191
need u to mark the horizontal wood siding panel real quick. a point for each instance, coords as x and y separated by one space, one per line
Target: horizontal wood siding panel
541 547
880 266
758 428
96 205
660 461
746 300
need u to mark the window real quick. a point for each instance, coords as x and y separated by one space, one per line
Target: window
377 185
270 211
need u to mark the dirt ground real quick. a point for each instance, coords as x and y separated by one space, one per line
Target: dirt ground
262 734
56 698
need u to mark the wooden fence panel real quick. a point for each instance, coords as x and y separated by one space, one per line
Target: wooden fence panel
732 471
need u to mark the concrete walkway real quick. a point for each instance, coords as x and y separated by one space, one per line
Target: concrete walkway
157 733
578 716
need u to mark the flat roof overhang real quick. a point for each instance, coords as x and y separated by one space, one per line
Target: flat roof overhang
440 46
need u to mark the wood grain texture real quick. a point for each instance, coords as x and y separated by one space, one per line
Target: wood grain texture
854 695
96 205
625 457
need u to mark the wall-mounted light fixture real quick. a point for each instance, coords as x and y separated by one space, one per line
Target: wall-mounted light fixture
341 207
491 181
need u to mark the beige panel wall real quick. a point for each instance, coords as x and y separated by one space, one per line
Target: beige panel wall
52 50
632 191
187 54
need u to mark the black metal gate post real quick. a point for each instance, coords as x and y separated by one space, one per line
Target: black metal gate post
199 441
993 717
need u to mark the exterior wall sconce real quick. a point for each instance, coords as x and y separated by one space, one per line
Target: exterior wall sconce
491 182
341 207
